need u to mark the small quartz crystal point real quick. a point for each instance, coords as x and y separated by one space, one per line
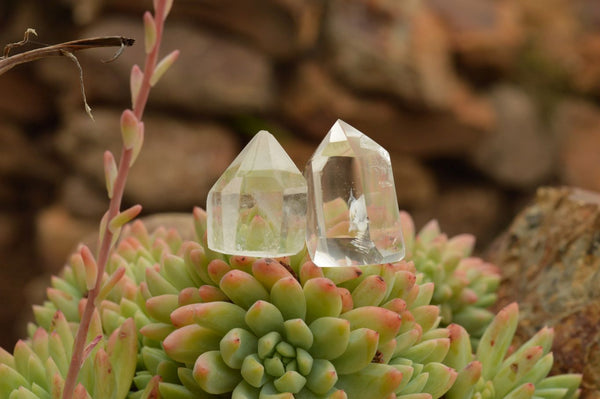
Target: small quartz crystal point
258 206
352 216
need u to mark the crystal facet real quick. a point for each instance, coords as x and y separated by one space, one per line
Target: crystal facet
258 206
353 216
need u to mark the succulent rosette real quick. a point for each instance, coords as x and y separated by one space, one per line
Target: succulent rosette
497 370
176 320
465 286
37 367
285 328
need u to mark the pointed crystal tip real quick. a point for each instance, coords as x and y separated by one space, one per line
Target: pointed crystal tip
258 206
353 216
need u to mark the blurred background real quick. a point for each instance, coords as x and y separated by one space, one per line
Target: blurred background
479 102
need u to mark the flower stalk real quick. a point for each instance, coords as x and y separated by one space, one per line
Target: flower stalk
131 121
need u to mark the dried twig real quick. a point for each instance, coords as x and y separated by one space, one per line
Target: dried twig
8 62
65 49
10 46
72 57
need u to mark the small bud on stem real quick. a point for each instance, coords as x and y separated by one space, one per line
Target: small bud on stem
149 32
110 172
135 82
163 66
124 217
132 130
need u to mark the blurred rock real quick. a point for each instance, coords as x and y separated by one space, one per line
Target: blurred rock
564 41
577 124
551 24
587 78
299 150
24 100
82 198
57 235
212 73
281 29
550 261
20 158
10 230
7 196
415 184
18 265
482 32
587 45
395 47
476 210
472 109
13 150
314 101
286 27
177 166
519 152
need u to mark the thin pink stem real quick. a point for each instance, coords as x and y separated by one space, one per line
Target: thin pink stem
114 208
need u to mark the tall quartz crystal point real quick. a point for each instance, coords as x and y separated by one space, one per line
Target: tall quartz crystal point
258 206
352 216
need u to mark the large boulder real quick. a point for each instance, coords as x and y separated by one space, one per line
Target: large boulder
550 262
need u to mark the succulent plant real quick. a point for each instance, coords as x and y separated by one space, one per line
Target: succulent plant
465 286
171 319
38 365
497 370
258 327
191 323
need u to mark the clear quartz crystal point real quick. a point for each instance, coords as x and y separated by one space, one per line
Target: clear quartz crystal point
258 206
353 216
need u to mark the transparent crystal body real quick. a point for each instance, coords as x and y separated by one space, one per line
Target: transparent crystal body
258 206
352 216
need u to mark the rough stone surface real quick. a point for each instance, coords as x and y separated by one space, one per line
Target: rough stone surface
24 100
211 75
82 198
577 124
314 101
398 47
506 153
415 183
550 262
286 27
17 267
466 209
21 158
564 40
482 32
281 29
177 167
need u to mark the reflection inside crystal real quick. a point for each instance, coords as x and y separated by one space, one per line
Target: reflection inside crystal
258 206
352 216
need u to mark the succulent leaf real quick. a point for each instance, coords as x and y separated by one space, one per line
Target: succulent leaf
361 349
213 375
187 343
288 296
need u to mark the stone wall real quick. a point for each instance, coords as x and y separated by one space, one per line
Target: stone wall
478 102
